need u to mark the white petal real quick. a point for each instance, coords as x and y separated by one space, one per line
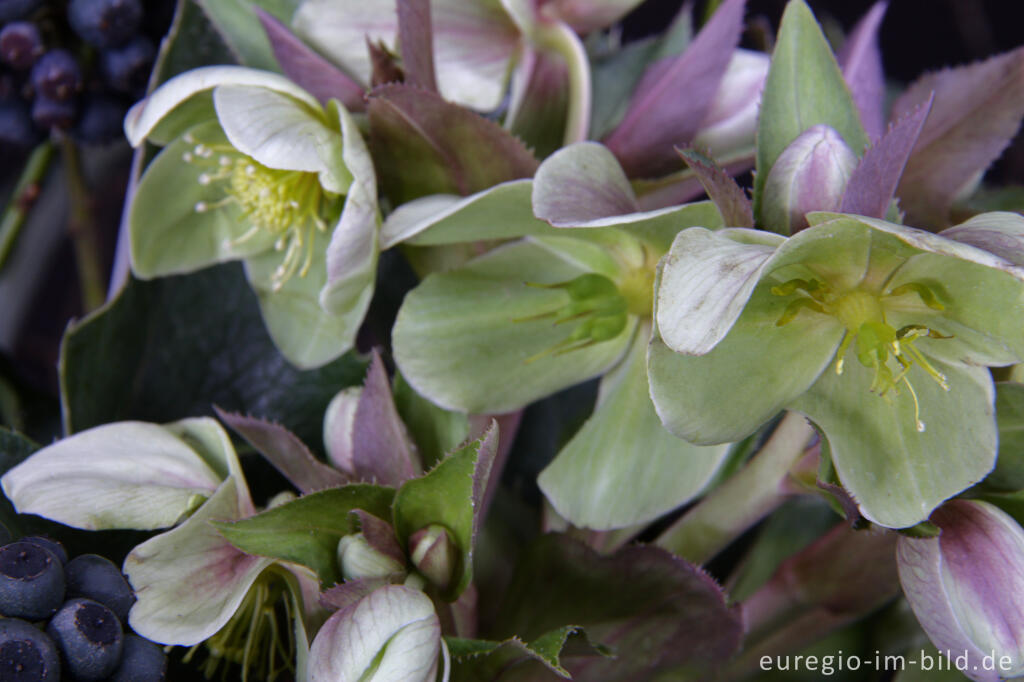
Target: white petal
123 475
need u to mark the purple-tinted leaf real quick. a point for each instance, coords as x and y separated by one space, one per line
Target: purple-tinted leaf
381 448
845 500
416 40
671 102
655 610
541 101
976 112
873 183
679 188
861 63
423 145
998 232
379 534
307 68
344 595
487 452
384 67
285 451
728 196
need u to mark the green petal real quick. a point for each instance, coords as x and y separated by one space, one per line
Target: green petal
281 132
166 100
623 467
747 378
168 235
302 330
897 474
457 338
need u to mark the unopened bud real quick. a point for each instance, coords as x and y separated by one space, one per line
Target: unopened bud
810 175
359 559
435 555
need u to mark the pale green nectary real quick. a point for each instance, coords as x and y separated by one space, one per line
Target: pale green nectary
879 333
254 169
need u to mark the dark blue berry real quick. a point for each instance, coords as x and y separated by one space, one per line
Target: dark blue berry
57 75
97 578
47 543
101 120
126 68
16 9
16 129
26 653
142 661
20 45
105 23
88 636
48 113
31 581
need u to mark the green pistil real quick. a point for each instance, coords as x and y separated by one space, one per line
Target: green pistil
862 314
259 635
289 205
637 287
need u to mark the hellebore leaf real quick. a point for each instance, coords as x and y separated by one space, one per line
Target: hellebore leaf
861 62
239 26
477 660
306 530
435 431
450 495
1008 475
804 88
121 475
190 581
684 621
381 448
465 338
307 68
887 464
423 145
622 467
976 111
729 197
872 185
998 232
169 348
670 103
285 451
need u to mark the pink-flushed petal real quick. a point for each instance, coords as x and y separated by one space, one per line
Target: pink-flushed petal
307 68
998 232
285 452
580 183
589 15
873 182
976 112
415 40
346 594
122 475
383 451
669 106
189 581
727 131
861 63
393 631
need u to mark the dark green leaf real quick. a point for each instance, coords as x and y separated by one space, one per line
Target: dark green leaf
307 529
170 348
477 660
435 430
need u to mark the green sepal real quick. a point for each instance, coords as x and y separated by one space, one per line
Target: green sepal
480 660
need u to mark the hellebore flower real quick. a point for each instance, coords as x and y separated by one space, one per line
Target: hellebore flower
191 584
877 332
254 169
966 588
727 131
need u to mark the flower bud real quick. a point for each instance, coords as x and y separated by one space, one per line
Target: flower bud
810 175
729 126
338 427
359 559
435 554
967 590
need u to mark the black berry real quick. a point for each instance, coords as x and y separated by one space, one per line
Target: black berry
57 75
88 636
142 661
105 23
26 653
97 578
20 45
31 581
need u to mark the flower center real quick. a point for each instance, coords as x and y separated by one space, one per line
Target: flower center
862 313
259 636
288 205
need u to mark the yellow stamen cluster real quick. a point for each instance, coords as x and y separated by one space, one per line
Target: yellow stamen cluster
288 205
862 313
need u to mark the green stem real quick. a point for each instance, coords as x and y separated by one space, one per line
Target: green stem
82 230
23 198
744 499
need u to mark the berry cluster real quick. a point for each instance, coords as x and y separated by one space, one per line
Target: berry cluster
62 619
74 65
